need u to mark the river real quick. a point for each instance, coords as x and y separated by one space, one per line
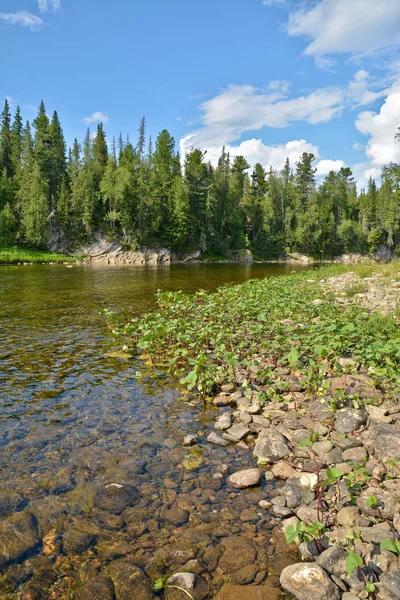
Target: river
73 418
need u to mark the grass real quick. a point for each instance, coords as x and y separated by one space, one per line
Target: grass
17 255
353 289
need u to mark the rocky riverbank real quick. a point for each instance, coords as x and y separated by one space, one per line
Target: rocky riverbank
310 386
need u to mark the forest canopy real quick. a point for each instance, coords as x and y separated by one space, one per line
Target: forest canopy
51 197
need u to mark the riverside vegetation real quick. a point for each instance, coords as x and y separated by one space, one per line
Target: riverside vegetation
149 197
305 370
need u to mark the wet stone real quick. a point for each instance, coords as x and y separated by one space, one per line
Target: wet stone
245 478
18 536
76 541
214 438
129 581
116 497
99 588
238 552
10 503
47 511
176 516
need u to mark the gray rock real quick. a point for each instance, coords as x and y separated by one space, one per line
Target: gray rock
374 534
223 422
189 440
387 446
347 443
270 446
387 503
214 438
308 580
348 420
222 400
322 447
307 514
194 585
357 454
348 516
390 584
238 431
333 560
295 494
245 478
18 535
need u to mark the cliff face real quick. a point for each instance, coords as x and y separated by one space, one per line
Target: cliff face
113 253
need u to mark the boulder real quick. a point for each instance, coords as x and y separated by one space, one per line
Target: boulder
308 580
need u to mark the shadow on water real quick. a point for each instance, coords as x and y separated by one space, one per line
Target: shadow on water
73 419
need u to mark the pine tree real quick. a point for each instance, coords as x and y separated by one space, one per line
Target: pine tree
5 140
16 141
305 177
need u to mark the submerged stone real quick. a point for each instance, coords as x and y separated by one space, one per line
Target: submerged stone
116 497
18 536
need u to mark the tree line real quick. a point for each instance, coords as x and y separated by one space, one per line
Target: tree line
145 196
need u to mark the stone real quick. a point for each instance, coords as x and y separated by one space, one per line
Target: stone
348 516
333 560
238 431
222 400
189 440
247 592
347 363
99 588
375 534
357 454
10 503
116 497
317 302
308 580
390 583
295 494
322 447
239 552
350 596
270 446
245 575
348 420
213 438
309 480
245 478
176 516
387 503
18 536
76 540
283 470
347 443
223 422
129 581
282 511
387 446
307 514
264 504
377 414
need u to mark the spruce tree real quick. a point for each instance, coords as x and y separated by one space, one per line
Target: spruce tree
5 141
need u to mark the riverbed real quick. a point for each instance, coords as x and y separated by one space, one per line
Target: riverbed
74 417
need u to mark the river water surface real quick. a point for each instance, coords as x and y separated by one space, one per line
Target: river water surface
73 418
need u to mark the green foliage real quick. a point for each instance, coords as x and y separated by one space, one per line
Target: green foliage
304 533
353 561
391 545
148 199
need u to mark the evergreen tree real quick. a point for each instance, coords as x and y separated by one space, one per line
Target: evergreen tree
5 141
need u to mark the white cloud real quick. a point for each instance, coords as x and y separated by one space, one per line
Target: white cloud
359 92
381 127
256 151
326 166
274 2
242 108
49 5
347 26
97 117
22 18
278 85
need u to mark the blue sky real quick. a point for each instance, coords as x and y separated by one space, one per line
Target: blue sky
268 79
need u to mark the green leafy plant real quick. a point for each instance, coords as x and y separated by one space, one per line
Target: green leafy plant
391 545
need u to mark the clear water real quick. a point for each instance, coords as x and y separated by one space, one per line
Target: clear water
73 418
